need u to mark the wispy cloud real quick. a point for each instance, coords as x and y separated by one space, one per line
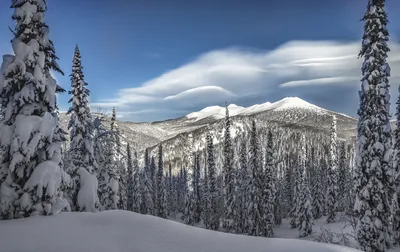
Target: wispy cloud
234 73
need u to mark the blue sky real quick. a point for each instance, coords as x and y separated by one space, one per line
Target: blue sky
157 59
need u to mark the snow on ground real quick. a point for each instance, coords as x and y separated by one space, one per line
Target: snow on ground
122 231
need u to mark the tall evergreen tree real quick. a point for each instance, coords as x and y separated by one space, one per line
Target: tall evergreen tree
206 198
296 194
31 138
288 187
109 175
332 176
147 205
136 187
268 188
188 213
242 194
254 204
161 210
197 189
229 177
317 192
212 186
304 209
81 154
343 175
373 171
130 176
171 192
153 181
396 167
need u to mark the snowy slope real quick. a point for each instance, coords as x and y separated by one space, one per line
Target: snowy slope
121 231
287 103
216 112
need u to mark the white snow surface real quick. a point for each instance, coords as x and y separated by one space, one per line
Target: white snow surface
287 103
87 195
122 231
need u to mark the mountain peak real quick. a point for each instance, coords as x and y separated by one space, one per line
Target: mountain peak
287 103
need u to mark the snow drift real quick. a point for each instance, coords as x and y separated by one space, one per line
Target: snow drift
122 231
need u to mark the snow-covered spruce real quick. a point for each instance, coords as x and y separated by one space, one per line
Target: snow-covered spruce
287 187
137 195
254 202
229 177
147 205
205 214
153 180
331 203
342 179
304 209
197 189
396 167
268 188
242 193
317 191
373 172
212 186
109 174
81 153
30 144
130 183
296 193
171 192
161 194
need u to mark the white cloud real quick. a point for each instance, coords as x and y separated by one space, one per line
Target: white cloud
233 73
200 91
320 81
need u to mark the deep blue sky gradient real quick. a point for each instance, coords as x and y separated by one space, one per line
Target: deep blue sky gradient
126 42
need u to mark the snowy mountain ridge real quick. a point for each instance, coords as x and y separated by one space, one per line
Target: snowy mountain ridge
287 103
290 113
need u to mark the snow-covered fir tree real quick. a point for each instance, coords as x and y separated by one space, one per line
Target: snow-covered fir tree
118 161
212 186
304 210
161 194
278 203
254 201
343 175
31 140
171 193
268 188
396 167
287 187
205 214
146 187
332 176
130 175
242 193
81 155
317 192
229 177
373 169
137 193
109 175
296 193
197 189
153 181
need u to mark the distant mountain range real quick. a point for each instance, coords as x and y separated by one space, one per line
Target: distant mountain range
177 134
